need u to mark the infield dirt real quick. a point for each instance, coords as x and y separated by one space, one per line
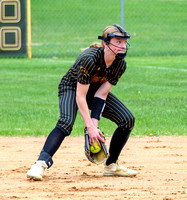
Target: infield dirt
160 161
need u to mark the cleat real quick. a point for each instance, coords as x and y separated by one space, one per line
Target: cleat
36 172
115 169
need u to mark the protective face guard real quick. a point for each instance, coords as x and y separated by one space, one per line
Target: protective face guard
125 36
128 46
112 35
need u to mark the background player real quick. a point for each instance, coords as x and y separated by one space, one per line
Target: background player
85 86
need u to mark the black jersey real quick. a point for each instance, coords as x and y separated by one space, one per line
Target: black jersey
90 68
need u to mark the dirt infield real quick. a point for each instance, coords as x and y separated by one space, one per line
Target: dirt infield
161 162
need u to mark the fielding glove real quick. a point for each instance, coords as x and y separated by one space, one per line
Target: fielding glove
97 158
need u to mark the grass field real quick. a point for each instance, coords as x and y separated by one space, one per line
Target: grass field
153 88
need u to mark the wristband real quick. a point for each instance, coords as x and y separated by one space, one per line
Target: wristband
98 106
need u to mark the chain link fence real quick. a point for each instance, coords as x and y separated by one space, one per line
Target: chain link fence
60 28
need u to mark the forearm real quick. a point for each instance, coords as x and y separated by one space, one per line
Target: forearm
103 90
84 111
95 122
91 124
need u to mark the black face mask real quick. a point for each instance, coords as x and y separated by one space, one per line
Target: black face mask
121 56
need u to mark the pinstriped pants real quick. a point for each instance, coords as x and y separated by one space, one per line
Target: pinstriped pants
114 110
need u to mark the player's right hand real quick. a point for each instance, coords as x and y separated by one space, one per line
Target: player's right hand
95 135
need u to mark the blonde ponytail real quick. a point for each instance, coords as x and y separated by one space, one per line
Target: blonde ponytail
93 45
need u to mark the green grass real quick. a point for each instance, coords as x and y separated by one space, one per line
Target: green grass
153 88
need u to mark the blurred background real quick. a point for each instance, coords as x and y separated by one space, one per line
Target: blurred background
60 28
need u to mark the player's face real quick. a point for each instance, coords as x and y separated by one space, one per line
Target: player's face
118 45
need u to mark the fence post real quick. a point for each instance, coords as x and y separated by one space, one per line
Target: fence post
29 28
122 14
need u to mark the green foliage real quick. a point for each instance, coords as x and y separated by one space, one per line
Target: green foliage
153 88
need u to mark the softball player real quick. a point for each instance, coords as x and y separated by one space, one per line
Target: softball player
85 86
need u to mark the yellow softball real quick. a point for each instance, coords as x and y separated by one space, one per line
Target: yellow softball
96 149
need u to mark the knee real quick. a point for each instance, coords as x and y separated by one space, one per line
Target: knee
132 122
128 123
66 125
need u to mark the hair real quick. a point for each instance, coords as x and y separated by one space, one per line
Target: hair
108 29
112 29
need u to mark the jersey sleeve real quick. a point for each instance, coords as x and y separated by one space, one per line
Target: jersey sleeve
85 69
116 75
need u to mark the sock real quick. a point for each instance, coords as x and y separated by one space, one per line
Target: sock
51 145
117 143
54 141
